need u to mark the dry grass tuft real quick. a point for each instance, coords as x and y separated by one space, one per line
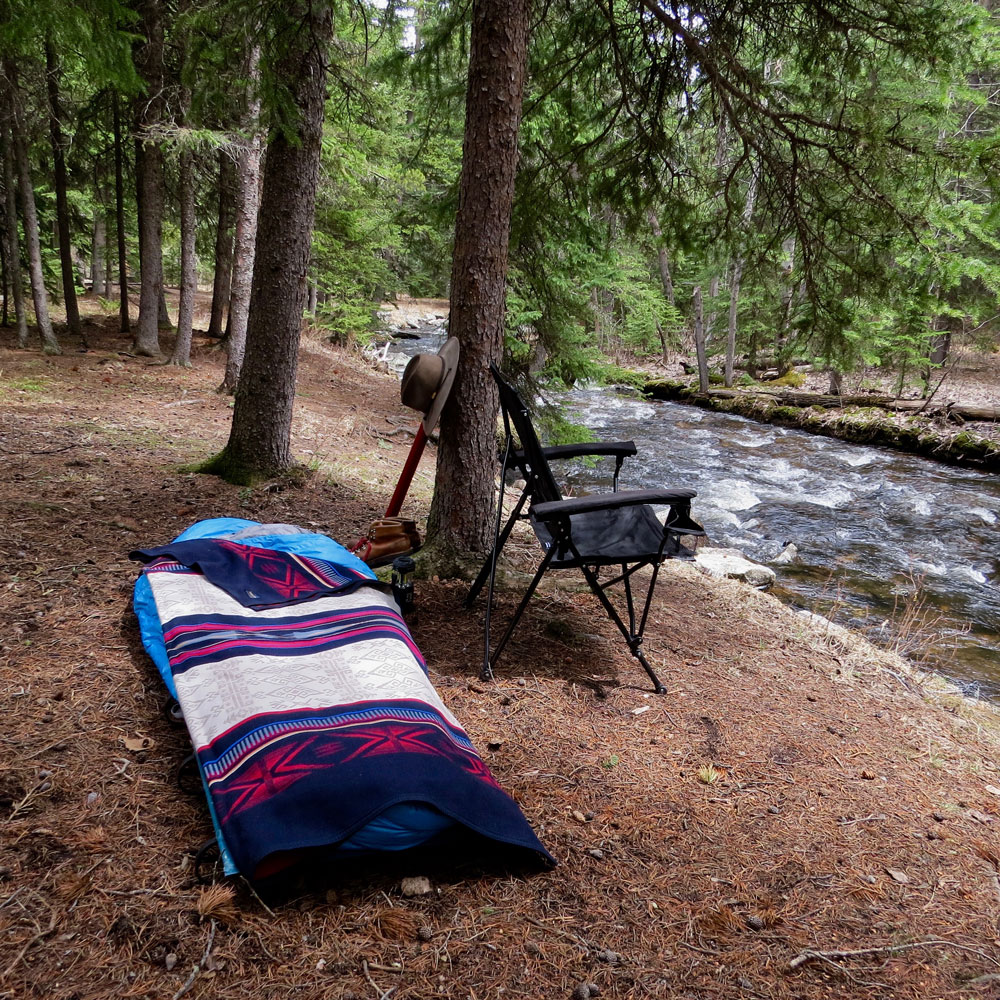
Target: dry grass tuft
396 924
218 902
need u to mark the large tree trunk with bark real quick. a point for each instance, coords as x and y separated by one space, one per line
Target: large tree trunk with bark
162 312
13 250
62 206
29 216
245 239
189 277
149 170
123 319
260 439
466 468
223 243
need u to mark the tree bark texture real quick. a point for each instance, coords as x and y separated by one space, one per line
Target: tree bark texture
98 247
662 258
461 510
784 328
162 312
189 273
245 238
736 281
62 206
29 218
700 340
13 249
123 318
223 243
149 168
5 320
260 438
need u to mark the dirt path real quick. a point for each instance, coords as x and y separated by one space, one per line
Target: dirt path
795 792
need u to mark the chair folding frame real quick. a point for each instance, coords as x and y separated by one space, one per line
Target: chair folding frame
554 519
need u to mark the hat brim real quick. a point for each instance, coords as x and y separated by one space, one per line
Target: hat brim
449 355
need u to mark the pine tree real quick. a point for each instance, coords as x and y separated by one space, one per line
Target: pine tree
260 438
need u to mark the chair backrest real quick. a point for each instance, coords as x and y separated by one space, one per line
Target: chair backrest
542 487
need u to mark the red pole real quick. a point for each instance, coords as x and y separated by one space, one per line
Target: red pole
406 477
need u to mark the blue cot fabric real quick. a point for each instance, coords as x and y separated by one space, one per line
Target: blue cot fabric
151 631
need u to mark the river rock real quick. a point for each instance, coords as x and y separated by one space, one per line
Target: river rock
732 563
787 555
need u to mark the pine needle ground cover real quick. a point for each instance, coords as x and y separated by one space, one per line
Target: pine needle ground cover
799 817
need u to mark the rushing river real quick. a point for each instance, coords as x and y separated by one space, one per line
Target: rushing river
878 533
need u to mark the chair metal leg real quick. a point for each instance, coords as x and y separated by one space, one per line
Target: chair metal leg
632 637
628 600
489 565
542 567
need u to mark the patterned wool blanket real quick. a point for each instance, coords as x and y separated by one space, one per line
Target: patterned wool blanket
314 717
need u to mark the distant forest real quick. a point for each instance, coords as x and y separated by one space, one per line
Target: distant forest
771 184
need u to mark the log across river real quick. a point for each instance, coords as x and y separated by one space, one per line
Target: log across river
875 529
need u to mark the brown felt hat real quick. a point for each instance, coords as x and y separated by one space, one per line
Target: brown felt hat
427 381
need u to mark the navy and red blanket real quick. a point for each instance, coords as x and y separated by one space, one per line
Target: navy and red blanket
310 708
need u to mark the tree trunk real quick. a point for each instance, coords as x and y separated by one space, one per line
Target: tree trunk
260 438
13 250
162 312
189 274
783 331
29 218
699 341
62 207
123 320
149 168
940 345
662 258
97 250
5 320
713 298
466 467
737 279
664 344
223 243
245 240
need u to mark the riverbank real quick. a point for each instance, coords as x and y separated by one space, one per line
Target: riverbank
801 815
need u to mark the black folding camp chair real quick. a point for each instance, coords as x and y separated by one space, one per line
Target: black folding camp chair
617 529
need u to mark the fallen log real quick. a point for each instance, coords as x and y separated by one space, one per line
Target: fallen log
909 425
678 390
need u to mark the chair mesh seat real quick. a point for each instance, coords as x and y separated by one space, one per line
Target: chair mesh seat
609 537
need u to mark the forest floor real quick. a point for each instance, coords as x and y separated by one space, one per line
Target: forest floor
802 815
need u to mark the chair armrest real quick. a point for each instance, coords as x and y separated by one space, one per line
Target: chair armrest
588 448
609 501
